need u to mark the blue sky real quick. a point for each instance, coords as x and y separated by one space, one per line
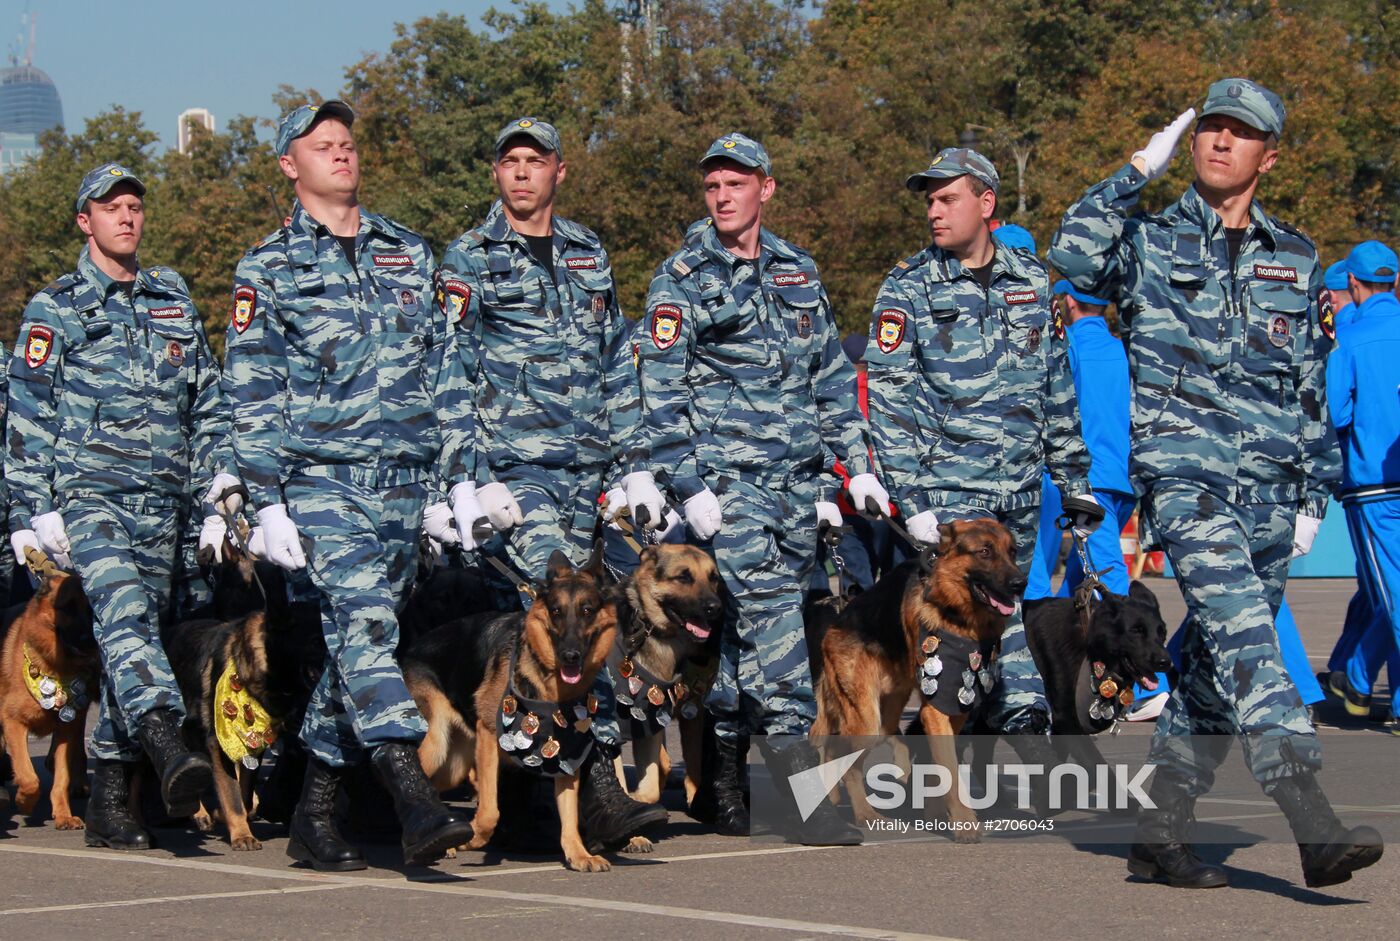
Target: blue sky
160 57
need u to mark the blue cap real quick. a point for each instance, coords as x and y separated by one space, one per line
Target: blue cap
99 182
952 162
1373 262
1249 101
1064 287
1014 236
300 120
1336 277
541 132
742 150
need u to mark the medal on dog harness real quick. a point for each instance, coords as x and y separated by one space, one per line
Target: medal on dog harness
956 673
242 726
54 693
653 705
554 746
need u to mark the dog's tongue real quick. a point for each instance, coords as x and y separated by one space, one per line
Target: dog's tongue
1003 609
699 630
570 676
1148 682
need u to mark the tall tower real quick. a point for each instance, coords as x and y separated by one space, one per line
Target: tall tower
188 118
29 102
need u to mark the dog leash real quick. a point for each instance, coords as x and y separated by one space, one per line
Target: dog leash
874 509
482 531
239 540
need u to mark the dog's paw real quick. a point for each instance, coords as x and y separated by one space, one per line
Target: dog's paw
244 843
967 836
638 844
586 863
480 839
26 800
450 853
68 823
203 822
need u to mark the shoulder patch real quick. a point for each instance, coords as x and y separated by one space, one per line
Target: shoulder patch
453 296
889 330
38 346
1057 323
245 302
665 325
1326 316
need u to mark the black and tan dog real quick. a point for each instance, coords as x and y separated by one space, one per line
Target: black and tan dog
243 678
668 609
518 685
935 625
48 676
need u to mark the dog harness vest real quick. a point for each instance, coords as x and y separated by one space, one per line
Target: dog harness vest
549 738
66 696
242 726
956 673
650 701
1111 694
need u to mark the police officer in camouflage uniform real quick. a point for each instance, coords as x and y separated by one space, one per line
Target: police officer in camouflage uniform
335 353
113 407
747 398
971 394
1233 453
531 298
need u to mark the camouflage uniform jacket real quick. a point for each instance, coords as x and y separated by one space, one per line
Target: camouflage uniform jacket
1228 367
332 364
746 383
111 396
970 391
542 351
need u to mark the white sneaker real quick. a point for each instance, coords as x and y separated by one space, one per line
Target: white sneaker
1147 710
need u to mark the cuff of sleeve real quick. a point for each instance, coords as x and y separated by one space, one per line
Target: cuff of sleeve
1127 180
1076 488
686 487
856 464
1316 507
913 501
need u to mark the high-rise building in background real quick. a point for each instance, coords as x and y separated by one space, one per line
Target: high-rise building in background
191 116
29 102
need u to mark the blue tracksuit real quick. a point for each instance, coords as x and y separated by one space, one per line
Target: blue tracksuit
1363 386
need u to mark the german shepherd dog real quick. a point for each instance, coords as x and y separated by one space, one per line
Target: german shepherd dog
470 677
49 675
869 660
275 655
668 609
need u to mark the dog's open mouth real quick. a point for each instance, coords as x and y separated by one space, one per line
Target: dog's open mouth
699 629
1148 682
570 675
991 599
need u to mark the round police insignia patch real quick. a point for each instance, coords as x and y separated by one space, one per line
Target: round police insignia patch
245 301
804 325
1057 322
175 353
1033 340
454 296
1279 332
408 302
889 330
665 325
599 303
38 346
1327 317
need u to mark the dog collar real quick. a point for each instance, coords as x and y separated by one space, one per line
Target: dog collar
67 696
956 672
242 726
551 738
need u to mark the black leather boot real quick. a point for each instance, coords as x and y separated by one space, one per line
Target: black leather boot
607 817
723 802
184 775
824 825
1330 851
1161 849
430 829
1028 736
108 821
314 838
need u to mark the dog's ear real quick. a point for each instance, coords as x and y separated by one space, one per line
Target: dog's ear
947 535
1139 592
650 555
559 566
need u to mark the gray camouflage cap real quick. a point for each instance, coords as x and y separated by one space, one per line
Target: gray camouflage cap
953 162
1249 101
743 150
299 120
541 132
99 182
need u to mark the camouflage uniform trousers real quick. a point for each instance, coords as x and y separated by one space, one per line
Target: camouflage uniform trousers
1231 561
765 552
190 591
362 526
560 510
125 552
1019 692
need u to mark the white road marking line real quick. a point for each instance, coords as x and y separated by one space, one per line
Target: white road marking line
158 900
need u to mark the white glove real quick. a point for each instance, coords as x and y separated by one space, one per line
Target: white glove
281 540
1154 159
257 545
1304 532
924 527
703 514
467 511
52 537
211 535
640 487
828 513
673 519
500 507
1084 532
231 503
613 503
438 523
863 486
22 539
